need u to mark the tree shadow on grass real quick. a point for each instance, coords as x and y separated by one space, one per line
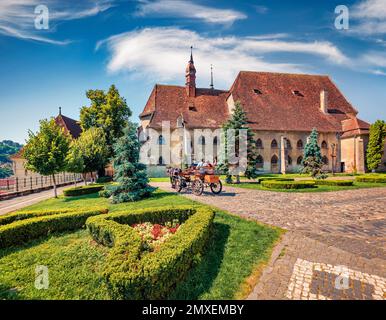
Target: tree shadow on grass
200 278
8 293
86 196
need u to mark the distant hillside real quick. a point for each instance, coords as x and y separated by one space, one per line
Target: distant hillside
7 148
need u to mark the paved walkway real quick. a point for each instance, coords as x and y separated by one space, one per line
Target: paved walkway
18 203
335 247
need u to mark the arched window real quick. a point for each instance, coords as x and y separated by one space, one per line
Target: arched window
161 140
201 140
161 161
179 122
259 161
288 144
324 145
325 160
215 141
274 159
149 153
299 161
274 144
299 144
289 160
259 144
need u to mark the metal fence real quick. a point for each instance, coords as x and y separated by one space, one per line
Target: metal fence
17 184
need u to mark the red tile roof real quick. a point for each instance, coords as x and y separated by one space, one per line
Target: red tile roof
277 108
354 126
208 109
71 126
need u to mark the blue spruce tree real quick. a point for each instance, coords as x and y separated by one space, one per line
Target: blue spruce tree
312 160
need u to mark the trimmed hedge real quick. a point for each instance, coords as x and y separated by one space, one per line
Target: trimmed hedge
23 231
288 184
133 274
11 217
337 183
104 179
80 191
374 179
274 179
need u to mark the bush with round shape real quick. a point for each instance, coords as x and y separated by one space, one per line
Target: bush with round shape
83 190
371 179
131 273
287 185
19 232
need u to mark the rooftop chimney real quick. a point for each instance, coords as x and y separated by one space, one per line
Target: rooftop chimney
324 101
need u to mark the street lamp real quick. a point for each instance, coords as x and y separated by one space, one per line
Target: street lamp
333 156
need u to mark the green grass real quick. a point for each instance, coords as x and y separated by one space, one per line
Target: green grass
236 250
319 188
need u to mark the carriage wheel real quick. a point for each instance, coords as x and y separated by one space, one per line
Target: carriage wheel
216 187
197 187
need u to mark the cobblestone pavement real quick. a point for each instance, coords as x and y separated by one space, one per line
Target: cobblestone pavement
328 232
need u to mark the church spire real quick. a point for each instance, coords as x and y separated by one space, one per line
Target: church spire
190 76
211 77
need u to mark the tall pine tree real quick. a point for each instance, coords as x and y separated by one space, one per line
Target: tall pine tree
312 160
130 175
376 144
238 121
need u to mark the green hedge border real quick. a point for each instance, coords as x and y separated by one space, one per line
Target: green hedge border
16 216
132 274
337 183
274 179
371 179
286 185
20 232
81 191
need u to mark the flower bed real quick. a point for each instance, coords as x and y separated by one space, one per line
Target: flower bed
131 273
288 184
153 235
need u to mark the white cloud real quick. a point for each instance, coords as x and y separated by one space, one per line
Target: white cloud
17 16
190 10
162 54
369 17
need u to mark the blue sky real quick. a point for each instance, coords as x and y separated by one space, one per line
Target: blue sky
92 44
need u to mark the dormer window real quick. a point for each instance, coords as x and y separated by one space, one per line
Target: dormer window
297 93
257 91
192 107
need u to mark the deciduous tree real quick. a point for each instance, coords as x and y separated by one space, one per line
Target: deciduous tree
46 150
376 144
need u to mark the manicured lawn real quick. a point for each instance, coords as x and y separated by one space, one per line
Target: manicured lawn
237 250
322 188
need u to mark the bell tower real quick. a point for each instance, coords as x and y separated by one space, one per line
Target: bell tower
190 76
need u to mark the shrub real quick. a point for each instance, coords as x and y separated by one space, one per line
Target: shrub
133 274
19 232
9 218
372 179
80 191
288 184
338 183
104 179
275 179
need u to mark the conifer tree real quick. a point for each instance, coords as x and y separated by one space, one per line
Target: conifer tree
238 121
130 175
312 160
376 144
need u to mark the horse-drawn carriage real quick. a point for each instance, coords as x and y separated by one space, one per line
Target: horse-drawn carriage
195 179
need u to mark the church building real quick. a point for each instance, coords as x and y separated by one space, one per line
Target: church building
281 108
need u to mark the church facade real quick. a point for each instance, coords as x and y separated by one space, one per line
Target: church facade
281 108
